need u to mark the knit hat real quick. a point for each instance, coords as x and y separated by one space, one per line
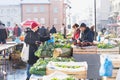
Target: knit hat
83 25
34 25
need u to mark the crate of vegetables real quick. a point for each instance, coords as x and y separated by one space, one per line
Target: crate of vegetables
76 69
107 49
84 50
62 50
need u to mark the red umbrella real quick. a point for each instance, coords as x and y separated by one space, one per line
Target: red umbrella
28 23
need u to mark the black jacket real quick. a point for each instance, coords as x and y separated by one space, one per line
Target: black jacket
31 39
87 36
3 34
53 30
44 34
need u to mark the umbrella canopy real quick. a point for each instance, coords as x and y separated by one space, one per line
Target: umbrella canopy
28 23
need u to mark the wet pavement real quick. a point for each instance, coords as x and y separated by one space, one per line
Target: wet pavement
12 74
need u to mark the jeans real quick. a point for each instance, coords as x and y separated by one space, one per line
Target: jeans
28 69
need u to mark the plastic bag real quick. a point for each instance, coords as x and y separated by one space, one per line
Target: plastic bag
52 40
17 40
106 68
25 52
118 75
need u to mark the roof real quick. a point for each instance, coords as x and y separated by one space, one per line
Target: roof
9 2
35 1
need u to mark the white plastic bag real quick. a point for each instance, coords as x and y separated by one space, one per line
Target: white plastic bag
25 52
118 75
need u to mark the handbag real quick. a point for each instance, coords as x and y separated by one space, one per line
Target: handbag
25 52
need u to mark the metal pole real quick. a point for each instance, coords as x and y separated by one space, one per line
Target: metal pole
95 19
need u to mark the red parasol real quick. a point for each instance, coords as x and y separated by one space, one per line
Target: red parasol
28 23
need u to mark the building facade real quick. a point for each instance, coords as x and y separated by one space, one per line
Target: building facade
103 12
10 12
115 11
46 12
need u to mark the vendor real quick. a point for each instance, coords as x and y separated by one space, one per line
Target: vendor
87 35
76 34
32 39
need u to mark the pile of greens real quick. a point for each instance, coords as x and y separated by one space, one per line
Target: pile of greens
68 78
45 50
68 45
39 68
105 46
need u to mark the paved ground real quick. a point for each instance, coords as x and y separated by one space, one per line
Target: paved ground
12 74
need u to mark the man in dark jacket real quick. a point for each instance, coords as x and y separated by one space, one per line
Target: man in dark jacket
32 39
87 35
53 30
3 33
44 36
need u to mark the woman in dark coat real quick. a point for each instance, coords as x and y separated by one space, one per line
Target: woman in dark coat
3 33
32 39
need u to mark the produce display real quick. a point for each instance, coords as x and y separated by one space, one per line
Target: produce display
59 37
105 46
67 45
45 50
39 68
67 66
68 78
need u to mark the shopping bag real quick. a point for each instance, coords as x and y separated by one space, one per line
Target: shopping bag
118 75
106 67
25 52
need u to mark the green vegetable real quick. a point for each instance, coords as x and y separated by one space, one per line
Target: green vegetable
45 50
55 79
39 68
69 78
105 46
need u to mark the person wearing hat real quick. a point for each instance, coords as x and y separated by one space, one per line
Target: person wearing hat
32 39
87 35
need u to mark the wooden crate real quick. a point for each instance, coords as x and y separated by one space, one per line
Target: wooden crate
85 50
108 51
78 74
115 60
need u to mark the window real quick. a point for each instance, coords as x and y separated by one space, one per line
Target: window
55 10
2 11
42 9
35 9
55 20
8 23
28 18
36 19
42 20
28 9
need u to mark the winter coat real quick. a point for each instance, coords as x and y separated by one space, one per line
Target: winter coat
76 35
87 36
44 34
53 30
17 31
31 39
3 34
